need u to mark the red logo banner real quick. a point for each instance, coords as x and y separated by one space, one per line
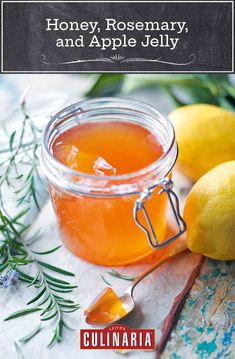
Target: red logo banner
117 337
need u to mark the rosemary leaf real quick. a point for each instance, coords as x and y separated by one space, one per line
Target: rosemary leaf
116 274
24 279
25 228
61 286
12 137
49 317
40 283
19 177
49 307
105 280
70 306
19 352
35 280
20 260
56 269
61 290
51 343
37 296
3 266
60 299
32 334
56 280
20 215
44 301
22 312
67 326
24 275
47 252
70 311
34 195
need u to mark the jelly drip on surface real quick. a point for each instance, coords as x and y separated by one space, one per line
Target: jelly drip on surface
106 308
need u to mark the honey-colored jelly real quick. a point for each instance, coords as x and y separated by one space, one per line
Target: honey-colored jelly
106 308
104 160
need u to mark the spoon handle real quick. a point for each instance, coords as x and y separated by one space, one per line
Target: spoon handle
151 269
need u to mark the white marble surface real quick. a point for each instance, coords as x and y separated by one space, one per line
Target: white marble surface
154 298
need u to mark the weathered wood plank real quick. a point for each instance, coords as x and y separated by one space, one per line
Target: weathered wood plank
206 327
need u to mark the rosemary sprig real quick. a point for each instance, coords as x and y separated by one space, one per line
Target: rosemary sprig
17 254
116 274
22 152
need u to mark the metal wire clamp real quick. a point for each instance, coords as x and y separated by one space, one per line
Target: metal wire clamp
166 187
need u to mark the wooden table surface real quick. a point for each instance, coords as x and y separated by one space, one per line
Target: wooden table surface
206 326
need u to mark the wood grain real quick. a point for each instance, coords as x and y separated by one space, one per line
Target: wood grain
206 327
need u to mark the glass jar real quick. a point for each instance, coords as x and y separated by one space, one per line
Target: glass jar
112 220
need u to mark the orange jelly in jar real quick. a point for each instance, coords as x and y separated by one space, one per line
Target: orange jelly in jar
99 155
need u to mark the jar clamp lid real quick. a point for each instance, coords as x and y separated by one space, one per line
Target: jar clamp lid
166 187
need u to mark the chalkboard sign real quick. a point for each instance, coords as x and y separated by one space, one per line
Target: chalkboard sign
117 36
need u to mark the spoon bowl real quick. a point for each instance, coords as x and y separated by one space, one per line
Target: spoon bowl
108 307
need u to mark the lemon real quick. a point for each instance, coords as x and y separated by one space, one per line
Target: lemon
206 137
210 213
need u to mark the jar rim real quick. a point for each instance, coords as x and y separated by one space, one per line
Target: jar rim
155 114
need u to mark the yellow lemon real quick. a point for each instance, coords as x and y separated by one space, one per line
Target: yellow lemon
205 136
210 213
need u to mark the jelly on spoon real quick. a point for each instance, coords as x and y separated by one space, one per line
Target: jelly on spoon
108 308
